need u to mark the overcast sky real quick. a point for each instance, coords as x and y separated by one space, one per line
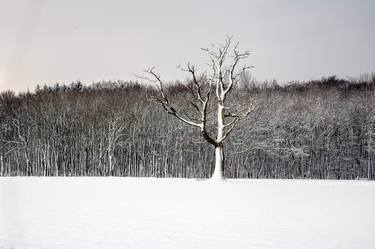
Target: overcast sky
43 42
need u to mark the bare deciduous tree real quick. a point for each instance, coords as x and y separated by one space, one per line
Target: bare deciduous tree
222 78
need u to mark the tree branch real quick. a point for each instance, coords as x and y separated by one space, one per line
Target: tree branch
165 103
237 117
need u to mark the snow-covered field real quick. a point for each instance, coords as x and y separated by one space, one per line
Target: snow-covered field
85 213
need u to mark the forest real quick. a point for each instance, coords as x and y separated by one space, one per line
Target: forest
320 129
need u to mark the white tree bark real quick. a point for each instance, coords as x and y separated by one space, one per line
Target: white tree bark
219 148
219 163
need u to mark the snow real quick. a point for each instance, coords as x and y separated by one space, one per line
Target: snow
77 213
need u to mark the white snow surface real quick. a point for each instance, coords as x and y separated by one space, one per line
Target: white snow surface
108 213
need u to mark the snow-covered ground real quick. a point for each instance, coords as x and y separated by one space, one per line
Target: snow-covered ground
85 213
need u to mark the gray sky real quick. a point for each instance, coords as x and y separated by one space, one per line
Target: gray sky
43 42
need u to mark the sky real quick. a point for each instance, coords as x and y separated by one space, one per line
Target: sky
50 41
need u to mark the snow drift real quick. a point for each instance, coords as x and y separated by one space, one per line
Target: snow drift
108 213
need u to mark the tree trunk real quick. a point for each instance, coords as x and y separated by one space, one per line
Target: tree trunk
219 148
219 163
28 166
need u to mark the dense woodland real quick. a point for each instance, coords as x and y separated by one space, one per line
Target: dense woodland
321 129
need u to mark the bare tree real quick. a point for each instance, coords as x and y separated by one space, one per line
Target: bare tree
221 79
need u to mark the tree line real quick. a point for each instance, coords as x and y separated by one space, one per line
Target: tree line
322 129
